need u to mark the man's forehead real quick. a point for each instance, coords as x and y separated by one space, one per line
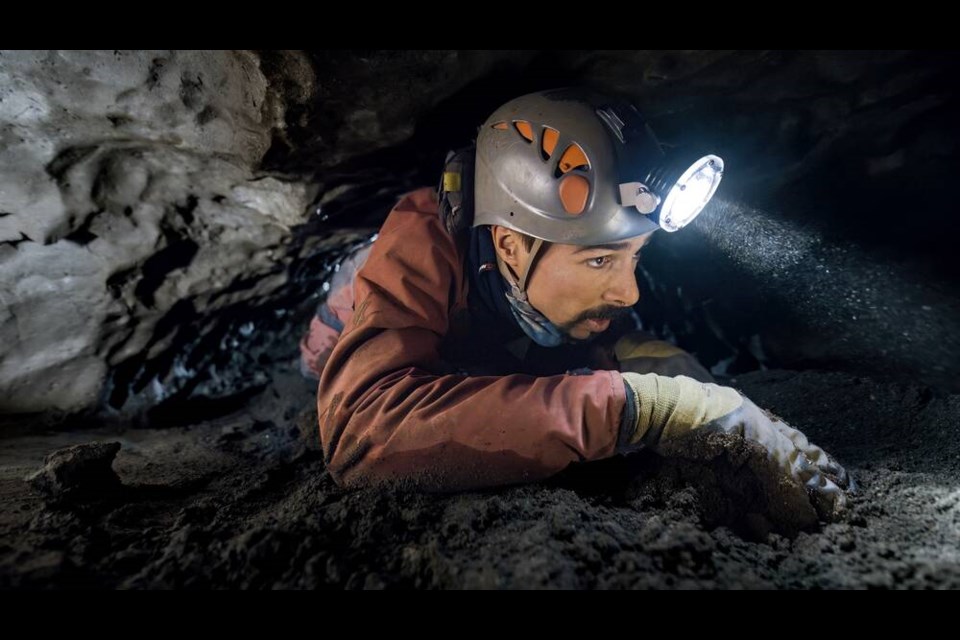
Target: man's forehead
622 245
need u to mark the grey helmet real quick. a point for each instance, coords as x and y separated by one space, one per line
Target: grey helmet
572 166
549 165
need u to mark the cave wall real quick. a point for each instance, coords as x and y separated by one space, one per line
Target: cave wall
167 218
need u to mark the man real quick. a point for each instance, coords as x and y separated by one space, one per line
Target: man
487 337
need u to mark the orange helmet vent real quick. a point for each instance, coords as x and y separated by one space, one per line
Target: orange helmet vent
525 129
549 142
573 158
574 190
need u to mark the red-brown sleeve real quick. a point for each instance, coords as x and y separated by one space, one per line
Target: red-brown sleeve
387 416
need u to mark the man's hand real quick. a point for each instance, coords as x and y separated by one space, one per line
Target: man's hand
669 408
824 479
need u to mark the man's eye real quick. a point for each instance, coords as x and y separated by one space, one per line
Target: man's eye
599 262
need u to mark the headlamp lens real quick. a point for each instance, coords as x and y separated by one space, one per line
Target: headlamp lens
691 193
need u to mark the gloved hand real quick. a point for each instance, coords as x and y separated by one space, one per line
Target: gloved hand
641 352
668 408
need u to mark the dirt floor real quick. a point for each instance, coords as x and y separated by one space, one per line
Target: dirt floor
243 501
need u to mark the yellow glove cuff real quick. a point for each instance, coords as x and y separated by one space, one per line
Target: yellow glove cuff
668 407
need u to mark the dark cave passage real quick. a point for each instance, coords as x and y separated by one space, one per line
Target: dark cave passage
171 221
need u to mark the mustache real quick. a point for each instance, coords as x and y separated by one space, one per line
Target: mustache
598 313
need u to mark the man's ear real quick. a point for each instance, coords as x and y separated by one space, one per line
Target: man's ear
509 246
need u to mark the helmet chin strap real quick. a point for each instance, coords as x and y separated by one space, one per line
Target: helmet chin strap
527 269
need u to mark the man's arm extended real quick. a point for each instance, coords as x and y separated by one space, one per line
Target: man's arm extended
385 413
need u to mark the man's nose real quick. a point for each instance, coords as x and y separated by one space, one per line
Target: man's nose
623 291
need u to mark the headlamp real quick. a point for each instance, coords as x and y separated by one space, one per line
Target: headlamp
675 192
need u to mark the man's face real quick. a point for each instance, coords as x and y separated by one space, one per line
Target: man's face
579 288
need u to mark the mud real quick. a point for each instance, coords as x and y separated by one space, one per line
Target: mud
244 501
